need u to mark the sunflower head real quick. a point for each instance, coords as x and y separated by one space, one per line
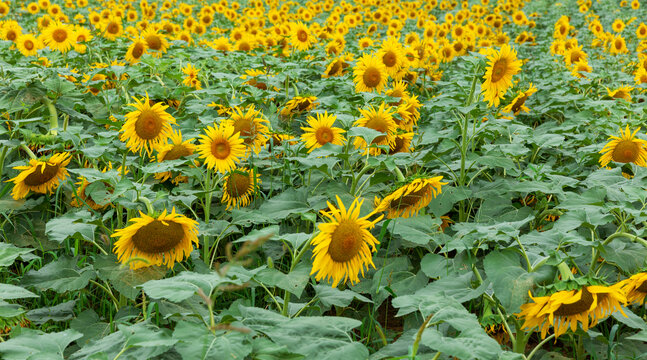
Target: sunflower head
380 119
321 132
251 126
40 176
625 149
370 74
221 147
407 200
502 65
147 127
239 187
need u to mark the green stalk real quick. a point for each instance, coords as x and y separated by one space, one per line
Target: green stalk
28 151
53 116
416 343
207 214
633 238
565 271
297 258
353 186
399 174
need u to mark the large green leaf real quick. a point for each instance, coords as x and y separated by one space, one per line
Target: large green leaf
185 285
8 292
60 275
60 228
124 279
9 253
35 345
195 341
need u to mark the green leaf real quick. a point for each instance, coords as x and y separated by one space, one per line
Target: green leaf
60 312
60 228
330 296
35 345
418 229
60 275
195 341
185 285
9 253
8 292
509 280
294 282
123 278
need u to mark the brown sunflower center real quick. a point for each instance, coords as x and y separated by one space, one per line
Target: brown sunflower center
389 59
372 77
378 123
618 44
346 241
578 307
304 104
59 35
409 200
157 237
41 175
244 46
113 28
626 151
302 35
518 104
148 125
177 152
238 184
28 44
643 287
620 94
335 68
499 69
245 127
447 52
138 50
11 35
220 149
324 135
154 42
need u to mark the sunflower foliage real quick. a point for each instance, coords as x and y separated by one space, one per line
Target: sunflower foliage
360 179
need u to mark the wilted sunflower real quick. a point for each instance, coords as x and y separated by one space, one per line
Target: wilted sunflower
623 92
502 65
518 104
635 288
343 246
147 127
239 187
409 199
565 309
380 120
298 105
221 147
250 126
59 36
136 50
157 241
322 132
40 176
175 150
370 74
301 37
625 149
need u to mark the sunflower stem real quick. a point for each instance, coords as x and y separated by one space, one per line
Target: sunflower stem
532 353
53 116
356 178
149 205
416 343
399 174
565 271
28 151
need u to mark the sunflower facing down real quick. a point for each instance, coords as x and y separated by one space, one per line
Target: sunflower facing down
518 104
298 105
343 246
502 65
635 288
147 127
409 199
336 67
322 132
239 187
250 125
156 241
370 74
565 309
625 149
136 50
221 147
623 92
40 176
176 150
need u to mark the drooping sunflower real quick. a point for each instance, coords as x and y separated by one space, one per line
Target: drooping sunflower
336 67
175 150
370 74
623 92
322 132
635 288
298 105
518 104
409 113
625 149
343 246
301 38
221 147
157 241
59 36
250 125
40 176
402 143
136 50
147 127
239 187
566 309
502 65
407 200
380 119
27 44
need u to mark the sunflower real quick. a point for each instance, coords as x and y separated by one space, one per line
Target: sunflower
370 74
518 104
635 288
574 55
398 90
40 176
112 28
250 126
407 200
623 92
156 241
28 45
298 105
641 31
322 132
147 127
409 113
502 65
155 42
239 187
380 120
625 149
402 143
343 246
581 67
221 147
618 45
191 78
565 309
336 67
301 38
136 50
641 76
59 36
175 150
391 55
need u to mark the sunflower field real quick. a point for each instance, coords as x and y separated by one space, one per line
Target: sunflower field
355 179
